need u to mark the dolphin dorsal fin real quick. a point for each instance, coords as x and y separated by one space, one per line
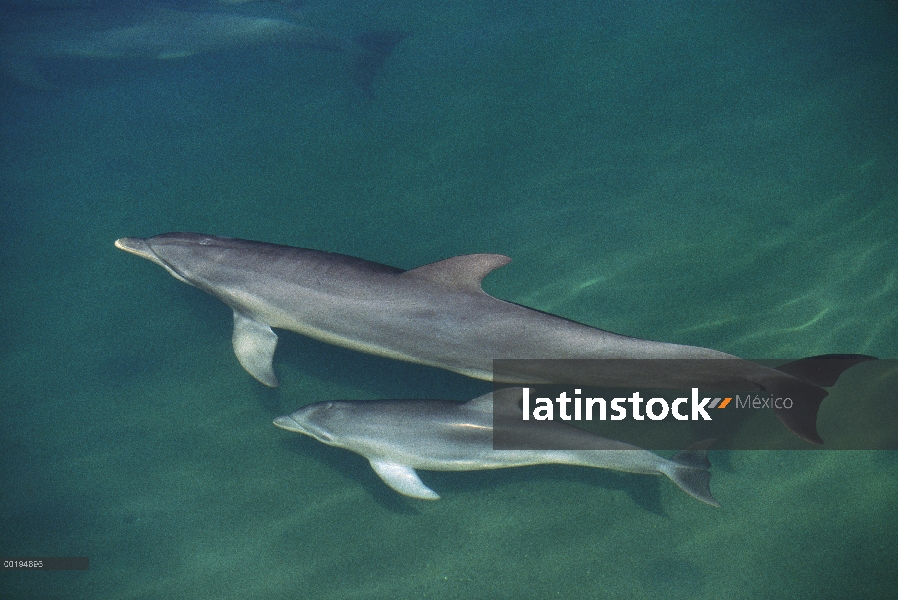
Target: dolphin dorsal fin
482 403
463 272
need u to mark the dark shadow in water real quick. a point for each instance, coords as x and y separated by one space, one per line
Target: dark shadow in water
677 578
355 468
721 461
644 490
276 401
120 368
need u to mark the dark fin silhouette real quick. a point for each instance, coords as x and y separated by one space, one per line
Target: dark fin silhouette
801 418
823 370
371 52
806 391
692 471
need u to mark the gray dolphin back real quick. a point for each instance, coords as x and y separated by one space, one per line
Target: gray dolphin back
438 315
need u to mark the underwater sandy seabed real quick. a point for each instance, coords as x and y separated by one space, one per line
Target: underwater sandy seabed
721 175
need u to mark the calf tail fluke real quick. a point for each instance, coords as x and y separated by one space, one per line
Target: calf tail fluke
690 469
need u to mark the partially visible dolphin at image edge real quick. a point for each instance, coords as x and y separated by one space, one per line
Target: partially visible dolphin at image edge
438 315
399 436
167 33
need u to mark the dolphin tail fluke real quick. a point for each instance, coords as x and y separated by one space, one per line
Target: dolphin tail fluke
823 370
815 373
690 469
371 52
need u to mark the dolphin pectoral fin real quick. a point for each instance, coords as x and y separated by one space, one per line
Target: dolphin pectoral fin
461 272
254 344
403 479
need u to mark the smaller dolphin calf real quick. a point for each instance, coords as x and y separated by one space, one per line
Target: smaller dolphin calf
399 436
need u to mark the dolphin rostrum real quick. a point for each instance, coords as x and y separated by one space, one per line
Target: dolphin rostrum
399 436
165 33
439 315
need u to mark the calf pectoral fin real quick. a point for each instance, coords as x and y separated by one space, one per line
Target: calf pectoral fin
254 344
403 479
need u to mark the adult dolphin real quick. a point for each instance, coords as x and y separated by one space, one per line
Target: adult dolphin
439 315
165 33
399 436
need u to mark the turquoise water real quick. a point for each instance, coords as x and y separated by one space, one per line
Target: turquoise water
718 174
